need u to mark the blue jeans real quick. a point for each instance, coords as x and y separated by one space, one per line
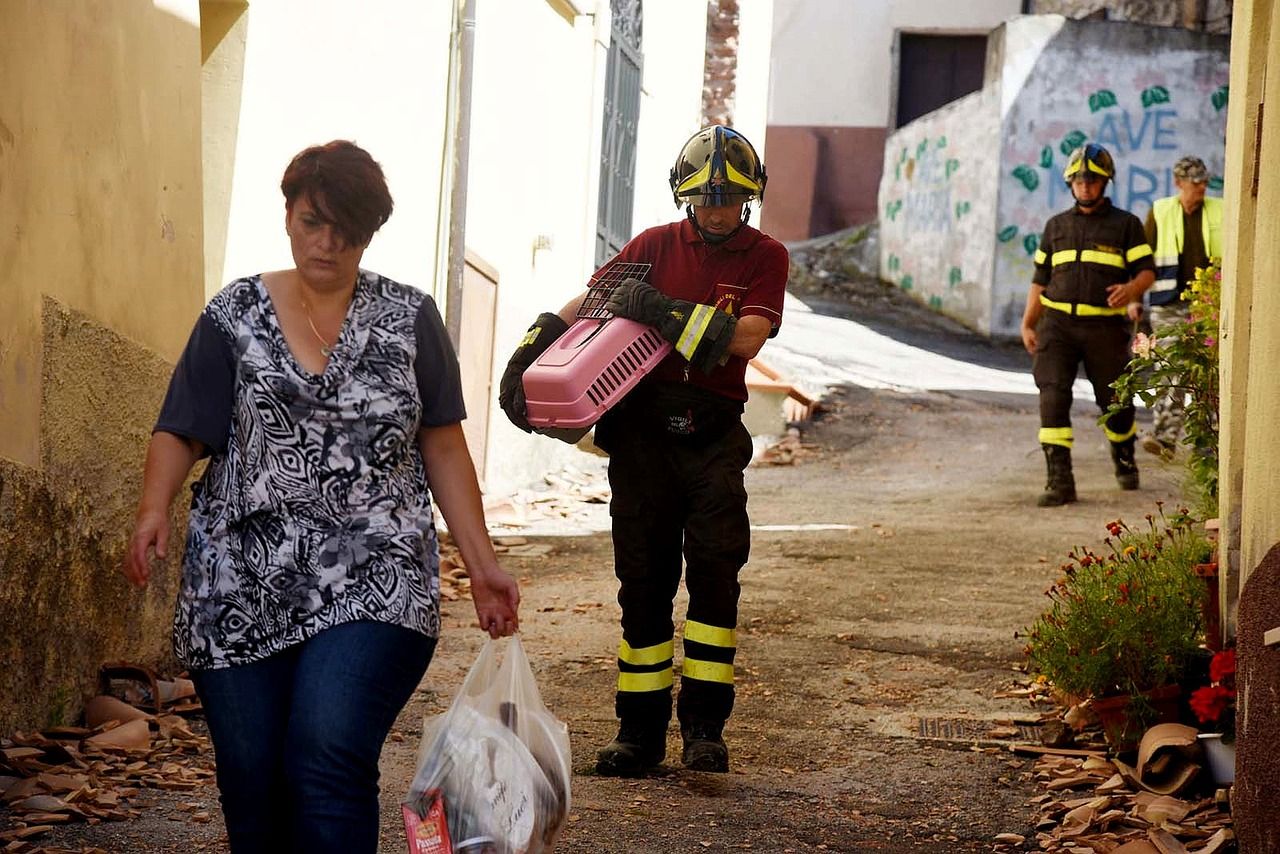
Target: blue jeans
297 737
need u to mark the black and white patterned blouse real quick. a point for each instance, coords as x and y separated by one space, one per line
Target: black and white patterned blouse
314 508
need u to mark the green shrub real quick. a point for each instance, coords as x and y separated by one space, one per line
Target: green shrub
1127 621
1184 361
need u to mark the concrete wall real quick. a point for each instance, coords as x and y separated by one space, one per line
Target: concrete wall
938 211
831 88
1098 81
100 267
1051 83
99 181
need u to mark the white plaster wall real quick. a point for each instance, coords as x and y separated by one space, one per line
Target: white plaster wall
670 105
937 208
750 108
1150 95
313 72
832 59
535 148
533 159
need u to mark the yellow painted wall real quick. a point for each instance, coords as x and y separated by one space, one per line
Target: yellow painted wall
100 273
1245 254
1251 441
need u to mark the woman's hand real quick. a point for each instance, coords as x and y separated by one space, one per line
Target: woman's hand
169 461
150 531
453 484
497 599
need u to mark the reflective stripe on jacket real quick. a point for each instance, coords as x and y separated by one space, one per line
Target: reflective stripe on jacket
1168 216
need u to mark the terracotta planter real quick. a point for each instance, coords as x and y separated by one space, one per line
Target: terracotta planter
1121 729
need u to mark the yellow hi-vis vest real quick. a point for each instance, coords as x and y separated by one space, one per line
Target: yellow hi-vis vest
1167 213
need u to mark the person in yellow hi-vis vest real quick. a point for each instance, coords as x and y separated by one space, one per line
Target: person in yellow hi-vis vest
1186 231
1092 262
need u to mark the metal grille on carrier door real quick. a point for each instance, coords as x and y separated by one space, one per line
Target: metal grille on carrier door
596 362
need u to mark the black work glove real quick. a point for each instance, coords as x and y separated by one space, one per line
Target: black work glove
700 333
544 331
640 301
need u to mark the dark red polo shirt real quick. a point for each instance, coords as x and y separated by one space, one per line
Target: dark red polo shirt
745 275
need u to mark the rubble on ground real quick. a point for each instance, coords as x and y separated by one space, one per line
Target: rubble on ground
96 773
1092 802
833 263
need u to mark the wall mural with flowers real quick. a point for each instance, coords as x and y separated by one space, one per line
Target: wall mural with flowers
960 222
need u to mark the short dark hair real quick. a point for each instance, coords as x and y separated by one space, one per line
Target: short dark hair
344 185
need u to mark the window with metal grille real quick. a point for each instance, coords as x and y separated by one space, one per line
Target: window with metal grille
621 117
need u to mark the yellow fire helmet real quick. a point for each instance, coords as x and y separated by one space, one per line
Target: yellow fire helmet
1093 157
717 166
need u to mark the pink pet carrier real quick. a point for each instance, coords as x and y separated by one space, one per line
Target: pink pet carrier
591 366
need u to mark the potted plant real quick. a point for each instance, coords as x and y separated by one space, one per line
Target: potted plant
1122 624
1215 707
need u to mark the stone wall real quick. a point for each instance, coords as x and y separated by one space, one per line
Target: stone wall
64 606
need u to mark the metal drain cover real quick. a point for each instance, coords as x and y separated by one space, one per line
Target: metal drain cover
971 729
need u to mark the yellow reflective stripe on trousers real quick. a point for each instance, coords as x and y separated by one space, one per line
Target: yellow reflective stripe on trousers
708 671
646 654
1065 256
693 329
1107 259
1082 309
1056 436
1142 250
637 683
710 635
1120 437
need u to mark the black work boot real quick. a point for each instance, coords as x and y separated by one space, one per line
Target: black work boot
634 751
1061 486
1126 467
704 749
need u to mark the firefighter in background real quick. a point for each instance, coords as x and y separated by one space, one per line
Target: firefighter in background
1185 231
677 449
1093 261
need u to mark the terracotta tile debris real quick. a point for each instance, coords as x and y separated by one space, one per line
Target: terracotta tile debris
786 451
571 498
95 773
1092 804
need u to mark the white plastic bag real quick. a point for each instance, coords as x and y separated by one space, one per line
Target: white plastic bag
495 767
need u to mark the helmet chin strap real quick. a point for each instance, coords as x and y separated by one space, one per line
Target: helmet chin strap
718 238
1102 194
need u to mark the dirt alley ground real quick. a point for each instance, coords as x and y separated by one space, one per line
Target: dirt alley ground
848 638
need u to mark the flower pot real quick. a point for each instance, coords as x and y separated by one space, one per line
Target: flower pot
1121 728
1220 757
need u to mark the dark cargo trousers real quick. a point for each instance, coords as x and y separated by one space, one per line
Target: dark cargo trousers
677 497
1063 343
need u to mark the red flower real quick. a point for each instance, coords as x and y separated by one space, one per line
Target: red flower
1210 702
1222 665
